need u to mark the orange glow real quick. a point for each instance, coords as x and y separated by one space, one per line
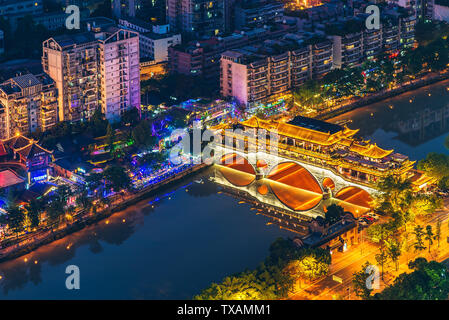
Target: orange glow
261 164
263 189
328 183
295 187
355 200
237 170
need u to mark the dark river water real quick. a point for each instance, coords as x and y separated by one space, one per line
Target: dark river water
173 245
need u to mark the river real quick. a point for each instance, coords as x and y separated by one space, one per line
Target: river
173 245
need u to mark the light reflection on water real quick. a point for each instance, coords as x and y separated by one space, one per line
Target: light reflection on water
413 129
171 249
191 237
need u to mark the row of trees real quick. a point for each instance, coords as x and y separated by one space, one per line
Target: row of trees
275 277
428 281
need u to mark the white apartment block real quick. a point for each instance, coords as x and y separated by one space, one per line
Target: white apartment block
352 48
97 69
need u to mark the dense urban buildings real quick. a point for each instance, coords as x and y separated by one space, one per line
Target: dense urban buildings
261 74
13 10
96 69
258 73
154 40
28 103
198 18
257 13
202 57
324 131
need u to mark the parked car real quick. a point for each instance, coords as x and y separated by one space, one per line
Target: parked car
362 222
373 215
368 218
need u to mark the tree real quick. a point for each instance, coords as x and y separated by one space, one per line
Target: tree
359 280
16 218
98 124
34 210
393 251
438 232
395 197
378 232
333 213
110 138
274 278
312 266
443 184
130 117
423 204
55 210
118 178
435 165
429 235
381 259
83 201
142 135
94 180
428 281
419 243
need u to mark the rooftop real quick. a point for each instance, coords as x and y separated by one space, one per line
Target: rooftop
9 178
315 124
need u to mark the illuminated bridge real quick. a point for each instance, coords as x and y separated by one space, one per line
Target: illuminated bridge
313 165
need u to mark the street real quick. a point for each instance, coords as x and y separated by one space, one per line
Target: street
344 264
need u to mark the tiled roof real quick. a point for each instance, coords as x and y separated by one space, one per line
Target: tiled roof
17 142
31 150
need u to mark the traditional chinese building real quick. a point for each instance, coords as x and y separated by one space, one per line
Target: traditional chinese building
28 154
333 147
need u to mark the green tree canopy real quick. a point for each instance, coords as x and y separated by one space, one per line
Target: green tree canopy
428 281
117 178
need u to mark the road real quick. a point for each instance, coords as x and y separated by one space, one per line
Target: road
345 264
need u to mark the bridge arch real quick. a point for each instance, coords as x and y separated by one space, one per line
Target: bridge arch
294 186
328 183
354 199
237 169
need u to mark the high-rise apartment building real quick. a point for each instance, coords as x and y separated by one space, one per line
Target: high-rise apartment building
95 69
199 18
28 103
202 58
257 13
254 76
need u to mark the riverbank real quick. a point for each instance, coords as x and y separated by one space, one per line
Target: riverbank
383 95
34 241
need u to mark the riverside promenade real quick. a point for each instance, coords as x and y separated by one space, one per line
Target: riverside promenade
13 248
